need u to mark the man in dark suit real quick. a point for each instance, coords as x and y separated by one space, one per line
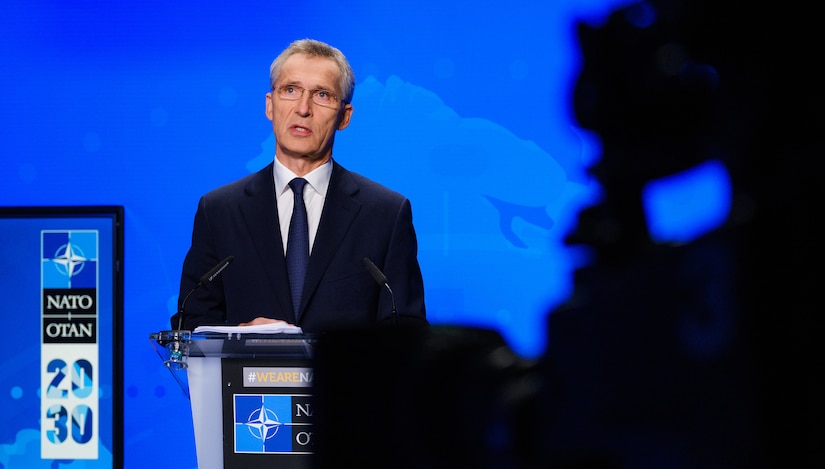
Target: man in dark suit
348 218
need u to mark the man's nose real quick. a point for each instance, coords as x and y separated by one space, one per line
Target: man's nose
304 106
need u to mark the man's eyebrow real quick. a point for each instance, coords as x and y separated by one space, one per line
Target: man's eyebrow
322 87
301 84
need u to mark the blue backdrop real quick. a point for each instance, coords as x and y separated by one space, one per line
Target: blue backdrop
462 106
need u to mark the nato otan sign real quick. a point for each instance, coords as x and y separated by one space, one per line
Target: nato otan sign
69 354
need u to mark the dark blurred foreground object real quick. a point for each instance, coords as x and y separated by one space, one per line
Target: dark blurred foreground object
701 355
443 397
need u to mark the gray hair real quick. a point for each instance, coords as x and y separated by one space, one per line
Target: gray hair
313 48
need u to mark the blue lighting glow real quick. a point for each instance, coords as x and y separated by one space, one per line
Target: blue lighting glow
684 206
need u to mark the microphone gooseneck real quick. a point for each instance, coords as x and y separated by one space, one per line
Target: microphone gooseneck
381 279
208 277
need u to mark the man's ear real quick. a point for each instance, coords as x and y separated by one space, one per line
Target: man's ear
345 117
269 110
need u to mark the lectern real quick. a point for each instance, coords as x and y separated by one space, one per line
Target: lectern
251 395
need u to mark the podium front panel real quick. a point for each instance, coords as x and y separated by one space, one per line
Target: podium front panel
267 412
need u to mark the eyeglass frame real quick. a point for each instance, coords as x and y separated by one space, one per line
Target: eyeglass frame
337 99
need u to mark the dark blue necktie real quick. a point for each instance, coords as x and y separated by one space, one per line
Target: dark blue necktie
297 247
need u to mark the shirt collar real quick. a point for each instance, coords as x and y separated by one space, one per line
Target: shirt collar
318 178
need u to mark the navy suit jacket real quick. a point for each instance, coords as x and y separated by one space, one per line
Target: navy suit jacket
360 218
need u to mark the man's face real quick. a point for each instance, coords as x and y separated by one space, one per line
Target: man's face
304 129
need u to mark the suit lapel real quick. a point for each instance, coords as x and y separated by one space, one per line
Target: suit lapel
340 209
260 212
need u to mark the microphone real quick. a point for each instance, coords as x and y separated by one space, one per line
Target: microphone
213 274
207 278
381 279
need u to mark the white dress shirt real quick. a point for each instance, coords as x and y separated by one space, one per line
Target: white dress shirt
315 192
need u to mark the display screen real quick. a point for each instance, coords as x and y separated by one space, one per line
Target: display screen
63 355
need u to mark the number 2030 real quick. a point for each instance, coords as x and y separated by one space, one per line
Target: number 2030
81 387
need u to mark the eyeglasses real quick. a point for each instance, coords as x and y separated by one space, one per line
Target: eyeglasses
320 97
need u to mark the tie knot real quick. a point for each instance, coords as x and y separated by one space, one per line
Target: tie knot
297 185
